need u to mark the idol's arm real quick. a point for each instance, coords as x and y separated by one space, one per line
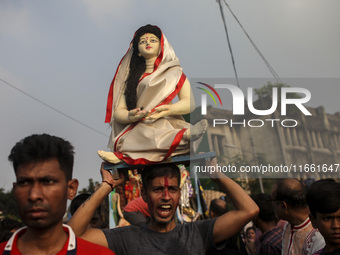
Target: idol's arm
185 105
124 116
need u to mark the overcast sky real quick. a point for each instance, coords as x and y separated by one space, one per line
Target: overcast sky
64 53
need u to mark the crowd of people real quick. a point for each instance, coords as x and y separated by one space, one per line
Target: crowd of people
294 219
147 128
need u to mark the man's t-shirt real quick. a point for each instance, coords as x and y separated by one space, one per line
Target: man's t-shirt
73 246
189 238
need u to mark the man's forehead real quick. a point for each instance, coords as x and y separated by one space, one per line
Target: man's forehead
40 168
333 214
164 181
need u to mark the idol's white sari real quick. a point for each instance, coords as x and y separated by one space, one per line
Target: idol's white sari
146 141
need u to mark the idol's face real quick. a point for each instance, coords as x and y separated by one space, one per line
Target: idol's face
41 192
148 46
162 197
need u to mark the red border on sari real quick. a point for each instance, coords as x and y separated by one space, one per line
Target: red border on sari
175 142
110 95
143 161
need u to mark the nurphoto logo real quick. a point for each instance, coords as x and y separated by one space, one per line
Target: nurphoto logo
239 101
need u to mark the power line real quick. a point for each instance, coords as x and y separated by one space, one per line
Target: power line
53 108
229 43
270 68
232 57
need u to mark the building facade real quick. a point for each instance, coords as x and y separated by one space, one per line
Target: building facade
304 146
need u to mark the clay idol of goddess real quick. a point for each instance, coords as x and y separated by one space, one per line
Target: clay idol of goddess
146 126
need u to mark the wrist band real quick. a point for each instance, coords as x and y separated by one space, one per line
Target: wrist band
111 185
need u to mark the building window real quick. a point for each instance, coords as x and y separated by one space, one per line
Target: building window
218 142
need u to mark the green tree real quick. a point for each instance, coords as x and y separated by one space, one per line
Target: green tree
253 184
266 90
90 188
8 206
264 95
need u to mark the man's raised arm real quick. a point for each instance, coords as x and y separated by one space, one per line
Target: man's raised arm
84 213
246 209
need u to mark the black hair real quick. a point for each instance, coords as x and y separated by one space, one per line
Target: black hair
137 65
78 201
291 191
151 172
264 202
323 196
250 228
41 147
218 206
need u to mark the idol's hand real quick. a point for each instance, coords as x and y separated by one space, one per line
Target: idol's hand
160 112
137 114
